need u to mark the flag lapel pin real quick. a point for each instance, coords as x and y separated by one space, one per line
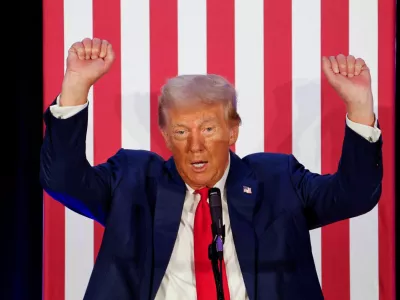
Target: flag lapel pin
246 189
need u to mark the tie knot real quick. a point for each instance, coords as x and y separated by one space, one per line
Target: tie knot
203 193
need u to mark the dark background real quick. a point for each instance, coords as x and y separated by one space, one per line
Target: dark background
22 126
21 197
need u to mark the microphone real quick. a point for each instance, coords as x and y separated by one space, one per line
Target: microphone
218 229
215 250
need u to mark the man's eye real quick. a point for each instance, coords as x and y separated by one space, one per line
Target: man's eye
180 132
209 129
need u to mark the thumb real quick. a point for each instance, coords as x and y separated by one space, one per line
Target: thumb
327 69
72 54
334 78
110 56
365 72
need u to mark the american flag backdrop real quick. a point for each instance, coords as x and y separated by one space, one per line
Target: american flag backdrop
271 50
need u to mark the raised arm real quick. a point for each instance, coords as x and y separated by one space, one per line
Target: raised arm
357 185
65 173
353 190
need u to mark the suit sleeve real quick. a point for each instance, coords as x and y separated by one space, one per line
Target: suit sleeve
354 189
65 173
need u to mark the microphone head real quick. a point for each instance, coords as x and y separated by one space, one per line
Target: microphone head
215 203
214 197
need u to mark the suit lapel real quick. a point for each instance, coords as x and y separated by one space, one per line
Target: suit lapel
242 190
167 215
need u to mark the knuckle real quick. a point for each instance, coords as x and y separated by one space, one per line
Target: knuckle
77 45
86 40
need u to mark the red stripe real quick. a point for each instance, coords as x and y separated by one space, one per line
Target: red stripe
335 237
163 61
386 109
278 76
54 212
107 93
221 39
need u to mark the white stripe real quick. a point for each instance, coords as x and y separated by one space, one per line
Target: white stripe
135 74
192 37
249 74
78 229
364 269
306 97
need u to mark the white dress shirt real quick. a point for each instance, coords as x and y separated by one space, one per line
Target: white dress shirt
179 282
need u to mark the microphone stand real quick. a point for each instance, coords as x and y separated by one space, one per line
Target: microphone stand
215 254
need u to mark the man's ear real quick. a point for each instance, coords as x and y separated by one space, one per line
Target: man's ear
166 138
233 135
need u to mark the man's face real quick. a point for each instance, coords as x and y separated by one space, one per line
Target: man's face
199 137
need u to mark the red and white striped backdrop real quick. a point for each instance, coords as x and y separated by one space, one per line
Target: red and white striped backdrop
271 51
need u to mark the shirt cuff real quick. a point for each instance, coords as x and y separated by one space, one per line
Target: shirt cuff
372 134
65 112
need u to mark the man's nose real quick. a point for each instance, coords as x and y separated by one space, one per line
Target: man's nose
196 142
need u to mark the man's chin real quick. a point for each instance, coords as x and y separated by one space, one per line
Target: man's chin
201 180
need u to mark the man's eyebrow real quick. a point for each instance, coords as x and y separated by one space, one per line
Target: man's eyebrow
179 125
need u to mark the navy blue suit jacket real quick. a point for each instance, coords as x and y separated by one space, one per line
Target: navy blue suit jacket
138 197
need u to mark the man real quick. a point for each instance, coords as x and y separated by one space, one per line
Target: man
155 212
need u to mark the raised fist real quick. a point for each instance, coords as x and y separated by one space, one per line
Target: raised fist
90 59
87 61
351 79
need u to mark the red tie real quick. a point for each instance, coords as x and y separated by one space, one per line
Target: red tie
205 284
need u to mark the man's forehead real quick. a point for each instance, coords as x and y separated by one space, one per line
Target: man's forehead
195 111
195 104
192 118
200 119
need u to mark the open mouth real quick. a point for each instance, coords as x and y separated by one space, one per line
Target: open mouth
199 165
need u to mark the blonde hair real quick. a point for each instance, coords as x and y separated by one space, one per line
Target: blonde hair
210 88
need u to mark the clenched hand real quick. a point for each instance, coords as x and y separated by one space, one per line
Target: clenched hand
87 62
351 79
